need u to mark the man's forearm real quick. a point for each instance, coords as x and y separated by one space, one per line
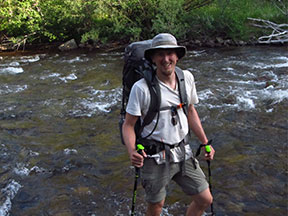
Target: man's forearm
129 137
195 125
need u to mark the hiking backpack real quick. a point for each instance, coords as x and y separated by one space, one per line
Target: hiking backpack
135 68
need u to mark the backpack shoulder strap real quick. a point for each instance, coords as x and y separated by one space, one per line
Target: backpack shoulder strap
154 106
155 101
154 89
182 89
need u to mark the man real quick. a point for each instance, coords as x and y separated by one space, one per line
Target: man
170 132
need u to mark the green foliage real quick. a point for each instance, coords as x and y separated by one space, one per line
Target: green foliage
62 19
170 18
130 20
19 17
125 19
228 19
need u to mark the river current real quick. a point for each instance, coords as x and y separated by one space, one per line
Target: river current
60 149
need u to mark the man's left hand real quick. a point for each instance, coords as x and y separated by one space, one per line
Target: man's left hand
210 155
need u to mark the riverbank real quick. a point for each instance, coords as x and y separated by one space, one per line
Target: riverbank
120 46
94 24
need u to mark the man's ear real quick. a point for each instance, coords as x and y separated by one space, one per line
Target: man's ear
152 57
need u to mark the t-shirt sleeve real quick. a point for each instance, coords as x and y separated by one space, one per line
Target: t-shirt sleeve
136 99
191 88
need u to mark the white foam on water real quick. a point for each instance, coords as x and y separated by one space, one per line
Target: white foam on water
196 53
242 82
101 106
194 70
20 88
11 70
12 89
239 63
14 64
276 95
235 73
77 59
222 106
33 154
284 58
227 69
7 109
68 151
205 94
269 66
37 169
69 77
245 103
99 101
269 110
253 99
21 170
270 74
50 76
9 192
248 75
30 59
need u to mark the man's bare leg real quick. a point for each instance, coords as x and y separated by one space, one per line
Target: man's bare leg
155 209
200 202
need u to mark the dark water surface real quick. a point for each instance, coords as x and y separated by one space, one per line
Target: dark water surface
60 152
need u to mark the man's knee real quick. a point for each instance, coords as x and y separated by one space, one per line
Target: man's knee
203 199
209 200
154 209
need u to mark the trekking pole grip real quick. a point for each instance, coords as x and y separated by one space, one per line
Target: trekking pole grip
208 149
139 148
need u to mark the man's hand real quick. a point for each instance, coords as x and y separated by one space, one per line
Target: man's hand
209 154
137 159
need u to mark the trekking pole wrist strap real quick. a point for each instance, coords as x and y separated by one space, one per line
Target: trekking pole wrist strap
207 148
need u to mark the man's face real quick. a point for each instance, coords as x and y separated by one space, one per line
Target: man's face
165 60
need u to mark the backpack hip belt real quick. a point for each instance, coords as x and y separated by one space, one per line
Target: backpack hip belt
166 153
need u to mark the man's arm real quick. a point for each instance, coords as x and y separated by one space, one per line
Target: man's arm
196 127
129 137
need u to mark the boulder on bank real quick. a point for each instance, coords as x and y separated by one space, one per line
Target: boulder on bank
69 45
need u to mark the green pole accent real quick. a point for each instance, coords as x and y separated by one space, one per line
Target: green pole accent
208 148
140 147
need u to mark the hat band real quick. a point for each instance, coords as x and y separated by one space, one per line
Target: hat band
161 43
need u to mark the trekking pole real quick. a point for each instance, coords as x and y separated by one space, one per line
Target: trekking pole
137 175
208 150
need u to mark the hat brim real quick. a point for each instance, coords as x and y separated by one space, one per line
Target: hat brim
180 51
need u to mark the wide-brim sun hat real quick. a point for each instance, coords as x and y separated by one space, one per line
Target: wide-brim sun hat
164 41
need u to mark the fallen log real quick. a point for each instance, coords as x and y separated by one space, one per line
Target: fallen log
279 31
12 43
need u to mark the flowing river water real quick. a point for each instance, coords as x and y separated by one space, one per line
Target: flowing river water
60 150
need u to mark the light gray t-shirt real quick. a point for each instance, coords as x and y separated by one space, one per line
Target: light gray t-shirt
165 131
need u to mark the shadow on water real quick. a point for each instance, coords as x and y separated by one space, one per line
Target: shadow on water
60 147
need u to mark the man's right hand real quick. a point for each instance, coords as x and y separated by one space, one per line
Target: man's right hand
137 159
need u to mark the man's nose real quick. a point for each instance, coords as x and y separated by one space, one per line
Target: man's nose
166 57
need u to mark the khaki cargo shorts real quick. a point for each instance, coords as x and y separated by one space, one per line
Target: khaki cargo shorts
156 178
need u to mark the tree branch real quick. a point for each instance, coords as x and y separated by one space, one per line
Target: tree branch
279 31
